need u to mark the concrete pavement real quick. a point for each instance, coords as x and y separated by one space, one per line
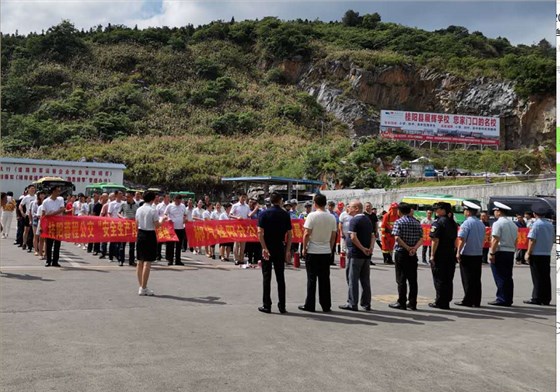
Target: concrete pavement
84 328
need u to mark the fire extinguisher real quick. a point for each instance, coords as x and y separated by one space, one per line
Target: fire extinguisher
343 260
296 260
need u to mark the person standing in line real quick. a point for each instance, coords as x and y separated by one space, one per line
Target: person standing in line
426 250
147 220
24 209
469 255
91 206
541 240
331 209
408 235
160 208
275 238
189 209
343 225
8 214
35 216
387 239
197 216
371 213
239 210
176 212
226 247
128 211
254 249
443 257
116 249
52 206
319 238
360 242
501 255
520 253
485 219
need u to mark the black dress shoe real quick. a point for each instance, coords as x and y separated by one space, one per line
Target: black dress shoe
397 305
411 307
371 263
433 305
366 308
55 265
327 310
302 307
496 303
348 307
102 256
132 264
47 264
121 263
282 310
179 263
461 303
95 253
263 309
531 302
169 263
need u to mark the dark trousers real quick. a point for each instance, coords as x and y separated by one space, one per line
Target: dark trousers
174 247
485 255
471 274
103 248
426 250
96 247
131 252
19 232
116 249
30 235
331 256
520 255
276 260
254 252
443 272
158 254
318 269
53 257
540 274
502 269
406 270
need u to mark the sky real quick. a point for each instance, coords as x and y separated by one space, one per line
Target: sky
521 22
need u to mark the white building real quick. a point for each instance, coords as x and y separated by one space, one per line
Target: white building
17 173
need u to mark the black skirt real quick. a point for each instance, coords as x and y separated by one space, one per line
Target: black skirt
146 245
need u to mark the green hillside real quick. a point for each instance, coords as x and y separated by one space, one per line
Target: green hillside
182 107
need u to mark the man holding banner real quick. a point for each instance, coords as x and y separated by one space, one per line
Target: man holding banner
275 237
53 205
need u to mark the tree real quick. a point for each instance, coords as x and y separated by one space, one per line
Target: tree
351 18
61 43
370 21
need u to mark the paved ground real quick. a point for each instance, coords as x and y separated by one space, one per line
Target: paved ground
84 328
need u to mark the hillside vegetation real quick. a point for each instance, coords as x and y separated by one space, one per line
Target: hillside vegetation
182 107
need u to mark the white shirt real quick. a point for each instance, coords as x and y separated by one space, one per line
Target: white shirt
240 210
197 213
345 219
26 201
160 208
206 215
176 214
224 216
49 205
215 215
189 214
322 224
114 208
80 208
146 217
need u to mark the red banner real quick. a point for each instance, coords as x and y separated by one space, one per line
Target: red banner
211 232
85 229
522 240
441 139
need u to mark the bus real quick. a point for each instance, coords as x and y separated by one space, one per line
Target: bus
44 185
424 201
104 187
186 194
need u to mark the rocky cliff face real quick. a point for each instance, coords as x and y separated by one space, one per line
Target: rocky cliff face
355 96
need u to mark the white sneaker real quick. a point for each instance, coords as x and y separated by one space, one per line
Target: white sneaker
149 292
142 291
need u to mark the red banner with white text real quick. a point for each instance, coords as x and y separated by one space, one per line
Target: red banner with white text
84 229
211 232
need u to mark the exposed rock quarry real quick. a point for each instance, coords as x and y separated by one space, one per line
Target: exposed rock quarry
355 96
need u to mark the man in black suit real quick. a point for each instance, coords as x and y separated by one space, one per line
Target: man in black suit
275 236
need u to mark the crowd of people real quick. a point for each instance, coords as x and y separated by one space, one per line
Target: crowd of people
355 226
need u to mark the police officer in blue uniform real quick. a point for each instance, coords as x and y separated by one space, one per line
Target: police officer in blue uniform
442 259
469 255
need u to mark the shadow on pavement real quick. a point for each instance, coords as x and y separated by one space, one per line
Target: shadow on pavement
76 269
381 317
502 312
330 318
23 277
197 300
413 314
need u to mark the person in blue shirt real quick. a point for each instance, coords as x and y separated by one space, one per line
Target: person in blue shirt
541 239
469 255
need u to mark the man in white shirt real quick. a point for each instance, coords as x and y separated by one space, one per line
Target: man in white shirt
225 248
24 209
240 210
343 226
116 249
319 238
176 212
189 208
53 205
